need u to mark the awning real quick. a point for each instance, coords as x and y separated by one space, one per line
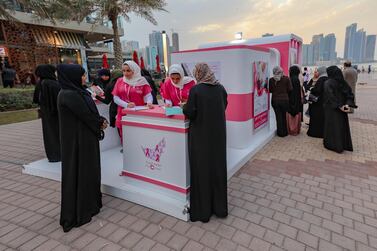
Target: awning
61 39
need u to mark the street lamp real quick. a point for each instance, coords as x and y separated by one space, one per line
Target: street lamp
165 48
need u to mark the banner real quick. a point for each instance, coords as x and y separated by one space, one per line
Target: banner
261 96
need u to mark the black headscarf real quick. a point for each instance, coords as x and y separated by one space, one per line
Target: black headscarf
333 72
295 100
46 71
70 78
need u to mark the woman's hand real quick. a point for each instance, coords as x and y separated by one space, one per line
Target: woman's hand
131 105
168 105
150 106
104 125
345 108
94 95
182 104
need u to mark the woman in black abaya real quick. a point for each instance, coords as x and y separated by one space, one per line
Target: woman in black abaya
207 146
338 99
80 127
46 96
295 102
316 111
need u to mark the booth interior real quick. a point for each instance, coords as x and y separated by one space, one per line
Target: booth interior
153 168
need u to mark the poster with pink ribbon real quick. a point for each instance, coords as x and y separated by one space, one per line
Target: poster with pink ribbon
261 96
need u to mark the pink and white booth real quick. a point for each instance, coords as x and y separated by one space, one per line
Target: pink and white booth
153 169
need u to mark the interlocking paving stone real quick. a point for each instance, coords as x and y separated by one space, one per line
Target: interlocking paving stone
293 195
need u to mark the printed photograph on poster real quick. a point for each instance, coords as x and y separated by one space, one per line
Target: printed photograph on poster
215 67
261 99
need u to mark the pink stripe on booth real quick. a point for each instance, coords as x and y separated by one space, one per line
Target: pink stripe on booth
157 182
156 127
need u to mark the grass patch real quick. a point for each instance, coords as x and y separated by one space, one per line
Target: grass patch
18 116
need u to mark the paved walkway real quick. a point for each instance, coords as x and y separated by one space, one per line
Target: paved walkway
293 195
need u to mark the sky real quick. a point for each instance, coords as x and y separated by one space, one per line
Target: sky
202 21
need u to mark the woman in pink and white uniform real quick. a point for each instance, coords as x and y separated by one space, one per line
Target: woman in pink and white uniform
131 90
177 87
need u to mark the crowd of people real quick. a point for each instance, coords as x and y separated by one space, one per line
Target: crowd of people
72 128
330 95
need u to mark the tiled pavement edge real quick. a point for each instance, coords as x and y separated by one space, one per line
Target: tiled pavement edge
293 195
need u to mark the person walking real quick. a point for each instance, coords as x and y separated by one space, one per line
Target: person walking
9 76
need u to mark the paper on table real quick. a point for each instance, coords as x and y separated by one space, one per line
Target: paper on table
175 110
139 108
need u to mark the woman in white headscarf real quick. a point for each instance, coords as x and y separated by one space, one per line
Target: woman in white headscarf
131 90
177 87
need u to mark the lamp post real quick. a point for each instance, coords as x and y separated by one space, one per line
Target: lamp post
165 47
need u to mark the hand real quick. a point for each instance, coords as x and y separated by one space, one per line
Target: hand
168 105
345 108
94 95
104 125
131 105
182 104
150 106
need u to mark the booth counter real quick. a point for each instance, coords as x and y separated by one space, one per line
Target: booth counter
155 162
153 168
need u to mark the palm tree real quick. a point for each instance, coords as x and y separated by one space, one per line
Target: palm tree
77 10
111 9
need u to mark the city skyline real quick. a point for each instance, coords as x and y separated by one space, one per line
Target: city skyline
255 18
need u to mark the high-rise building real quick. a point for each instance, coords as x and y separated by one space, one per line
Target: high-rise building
130 46
155 40
370 48
153 52
350 41
328 52
359 46
175 41
317 43
307 54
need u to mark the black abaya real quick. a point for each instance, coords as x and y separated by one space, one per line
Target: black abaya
316 111
295 96
337 133
80 130
207 151
46 95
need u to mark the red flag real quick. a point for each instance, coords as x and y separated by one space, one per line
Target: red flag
136 58
105 63
158 68
142 66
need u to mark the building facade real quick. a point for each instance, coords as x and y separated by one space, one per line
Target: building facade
175 40
370 48
30 42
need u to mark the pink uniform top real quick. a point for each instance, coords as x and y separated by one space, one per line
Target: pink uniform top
175 94
128 94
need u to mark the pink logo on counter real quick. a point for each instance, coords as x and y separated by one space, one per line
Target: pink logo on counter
155 153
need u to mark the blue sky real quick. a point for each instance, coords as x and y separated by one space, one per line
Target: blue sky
202 21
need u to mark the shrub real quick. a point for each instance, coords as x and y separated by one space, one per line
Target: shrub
16 99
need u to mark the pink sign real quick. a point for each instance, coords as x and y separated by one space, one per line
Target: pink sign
261 96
